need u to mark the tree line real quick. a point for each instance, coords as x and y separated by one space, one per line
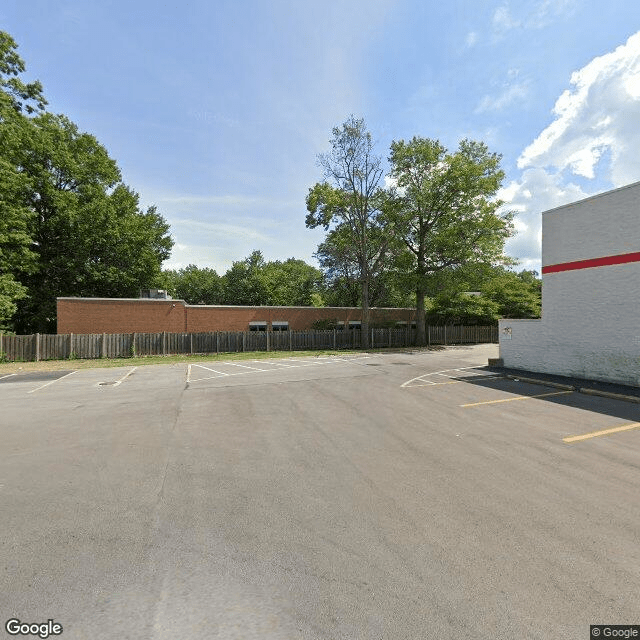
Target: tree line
453 298
434 239
429 234
435 220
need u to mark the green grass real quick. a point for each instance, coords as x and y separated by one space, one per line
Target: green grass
137 361
52 365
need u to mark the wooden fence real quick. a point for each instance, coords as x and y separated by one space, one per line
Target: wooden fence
124 345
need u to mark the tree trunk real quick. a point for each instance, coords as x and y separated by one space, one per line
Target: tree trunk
365 314
421 331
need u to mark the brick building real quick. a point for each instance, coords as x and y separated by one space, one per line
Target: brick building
148 315
590 324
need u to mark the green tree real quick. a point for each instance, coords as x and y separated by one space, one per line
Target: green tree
244 282
194 285
89 235
339 262
458 307
291 283
445 209
68 225
350 197
21 97
518 295
16 256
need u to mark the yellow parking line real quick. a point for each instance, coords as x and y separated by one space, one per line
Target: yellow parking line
540 395
604 432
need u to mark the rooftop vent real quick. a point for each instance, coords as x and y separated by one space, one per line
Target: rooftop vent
155 294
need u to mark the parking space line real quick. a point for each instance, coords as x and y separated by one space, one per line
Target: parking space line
244 366
8 376
52 381
124 377
434 373
209 369
604 432
539 395
298 365
428 383
439 384
277 364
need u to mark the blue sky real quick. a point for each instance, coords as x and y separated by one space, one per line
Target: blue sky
216 110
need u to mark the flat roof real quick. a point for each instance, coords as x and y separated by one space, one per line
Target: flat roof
220 306
593 197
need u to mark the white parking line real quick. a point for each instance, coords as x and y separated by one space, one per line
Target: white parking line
277 364
220 373
8 376
124 377
244 366
52 381
298 365
442 372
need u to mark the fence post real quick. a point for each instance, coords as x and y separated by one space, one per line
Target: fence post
267 332
1 351
429 336
334 340
71 345
445 335
37 347
372 344
244 339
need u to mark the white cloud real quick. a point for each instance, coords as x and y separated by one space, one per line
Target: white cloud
502 20
509 94
471 39
536 191
599 113
535 15
594 136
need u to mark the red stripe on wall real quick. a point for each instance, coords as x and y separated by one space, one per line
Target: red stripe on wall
593 262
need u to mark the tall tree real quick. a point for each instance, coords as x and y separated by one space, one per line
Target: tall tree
338 260
68 225
17 98
244 283
23 97
291 282
518 295
89 235
445 209
351 197
194 285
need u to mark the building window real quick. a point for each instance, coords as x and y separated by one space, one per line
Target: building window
355 324
279 325
401 324
340 326
258 326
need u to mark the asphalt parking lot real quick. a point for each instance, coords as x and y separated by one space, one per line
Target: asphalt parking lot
396 495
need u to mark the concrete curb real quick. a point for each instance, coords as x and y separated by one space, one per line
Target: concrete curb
546 383
608 394
568 387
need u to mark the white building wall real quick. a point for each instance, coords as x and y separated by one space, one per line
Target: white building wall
590 324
